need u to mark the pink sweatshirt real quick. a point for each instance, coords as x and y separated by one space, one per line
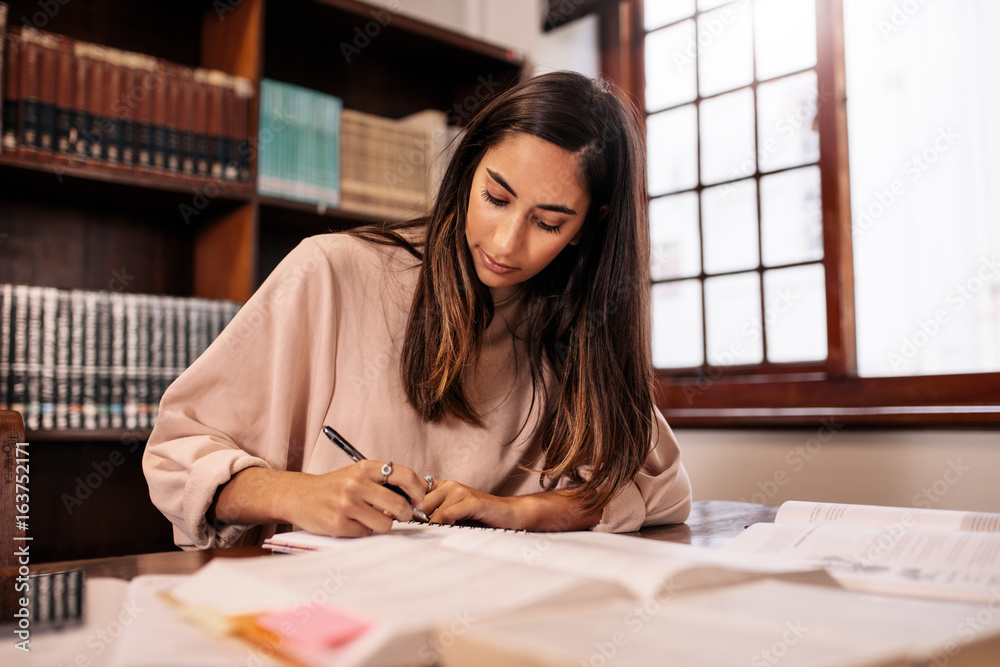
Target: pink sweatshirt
319 343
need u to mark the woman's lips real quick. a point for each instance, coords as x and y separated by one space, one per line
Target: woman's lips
495 266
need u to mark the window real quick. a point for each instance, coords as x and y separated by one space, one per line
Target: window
735 209
771 301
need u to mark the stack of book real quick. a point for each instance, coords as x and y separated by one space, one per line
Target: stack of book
313 150
97 359
299 142
82 104
392 168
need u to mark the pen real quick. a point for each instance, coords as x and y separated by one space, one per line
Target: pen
356 456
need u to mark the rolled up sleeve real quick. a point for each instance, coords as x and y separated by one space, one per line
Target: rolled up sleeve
661 492
253 396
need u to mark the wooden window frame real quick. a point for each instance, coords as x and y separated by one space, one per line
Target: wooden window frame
773 394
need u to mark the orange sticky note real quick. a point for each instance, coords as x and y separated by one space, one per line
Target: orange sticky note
315 626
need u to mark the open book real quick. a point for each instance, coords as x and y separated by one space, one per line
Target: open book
922 552
419 579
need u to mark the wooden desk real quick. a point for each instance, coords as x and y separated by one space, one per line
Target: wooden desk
712 524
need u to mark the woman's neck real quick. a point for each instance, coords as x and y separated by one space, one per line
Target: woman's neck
507 311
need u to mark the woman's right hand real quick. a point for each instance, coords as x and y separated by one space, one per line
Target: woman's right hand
349 502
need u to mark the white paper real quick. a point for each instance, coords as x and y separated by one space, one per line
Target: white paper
759 623
952 565
648 568
405 586
877 516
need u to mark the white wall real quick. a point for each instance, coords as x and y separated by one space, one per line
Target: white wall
515 24
923 468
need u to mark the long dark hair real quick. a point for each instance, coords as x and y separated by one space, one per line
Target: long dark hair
587 312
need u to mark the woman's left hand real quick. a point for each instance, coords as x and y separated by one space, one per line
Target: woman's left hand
450 502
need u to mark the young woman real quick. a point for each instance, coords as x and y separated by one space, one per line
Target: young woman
496 354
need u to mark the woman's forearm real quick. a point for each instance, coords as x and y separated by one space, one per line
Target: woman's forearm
551 511
253 496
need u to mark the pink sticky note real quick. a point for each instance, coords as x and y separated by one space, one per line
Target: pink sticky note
315 626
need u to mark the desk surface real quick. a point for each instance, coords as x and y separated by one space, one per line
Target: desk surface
712 524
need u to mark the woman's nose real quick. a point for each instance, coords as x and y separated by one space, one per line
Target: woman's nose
507 235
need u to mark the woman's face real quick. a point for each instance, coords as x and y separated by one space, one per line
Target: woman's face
528 202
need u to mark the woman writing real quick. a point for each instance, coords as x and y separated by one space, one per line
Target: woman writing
499 347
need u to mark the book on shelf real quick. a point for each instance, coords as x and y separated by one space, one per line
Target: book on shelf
315 151
3 70
445 595
915 551
392 168
97 359
87 104
299 153
11 88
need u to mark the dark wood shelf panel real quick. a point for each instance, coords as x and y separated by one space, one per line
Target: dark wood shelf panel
382 63
170 30
288 211
69 173
283 223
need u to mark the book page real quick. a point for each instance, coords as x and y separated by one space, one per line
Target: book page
758 623
645 567
648 568
807 513
956 565
403 586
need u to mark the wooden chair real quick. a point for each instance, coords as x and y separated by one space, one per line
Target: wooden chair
11 433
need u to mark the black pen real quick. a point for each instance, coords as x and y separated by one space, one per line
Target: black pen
356 456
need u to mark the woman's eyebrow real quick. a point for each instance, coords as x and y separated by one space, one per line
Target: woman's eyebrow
556 208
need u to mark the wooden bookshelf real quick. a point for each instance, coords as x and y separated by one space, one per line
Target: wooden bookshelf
76 227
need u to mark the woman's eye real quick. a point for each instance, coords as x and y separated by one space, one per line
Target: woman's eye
491 199
546 228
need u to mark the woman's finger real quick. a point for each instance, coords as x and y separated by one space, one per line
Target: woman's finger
400 476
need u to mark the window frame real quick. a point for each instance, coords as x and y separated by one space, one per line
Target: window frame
799 394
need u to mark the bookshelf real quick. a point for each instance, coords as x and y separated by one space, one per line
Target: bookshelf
79 227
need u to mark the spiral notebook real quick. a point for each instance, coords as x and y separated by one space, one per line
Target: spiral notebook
300 541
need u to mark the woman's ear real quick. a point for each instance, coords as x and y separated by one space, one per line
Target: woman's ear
602 213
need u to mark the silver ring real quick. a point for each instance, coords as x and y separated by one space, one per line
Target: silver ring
430 482
386 471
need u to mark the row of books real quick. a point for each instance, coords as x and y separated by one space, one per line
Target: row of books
299 144
313 150
393 168
89 359
82 103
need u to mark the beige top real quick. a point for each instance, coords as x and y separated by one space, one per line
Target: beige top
319 343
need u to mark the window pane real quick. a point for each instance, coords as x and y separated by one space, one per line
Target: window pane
658 13
672 141
729 221
922 101
677 336
791 212
712 4
727 137
786 122
785 36
732 311
670 67
725 49
673 231
795 313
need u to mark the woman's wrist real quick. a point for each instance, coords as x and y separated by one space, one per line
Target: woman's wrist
255 496
555 511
